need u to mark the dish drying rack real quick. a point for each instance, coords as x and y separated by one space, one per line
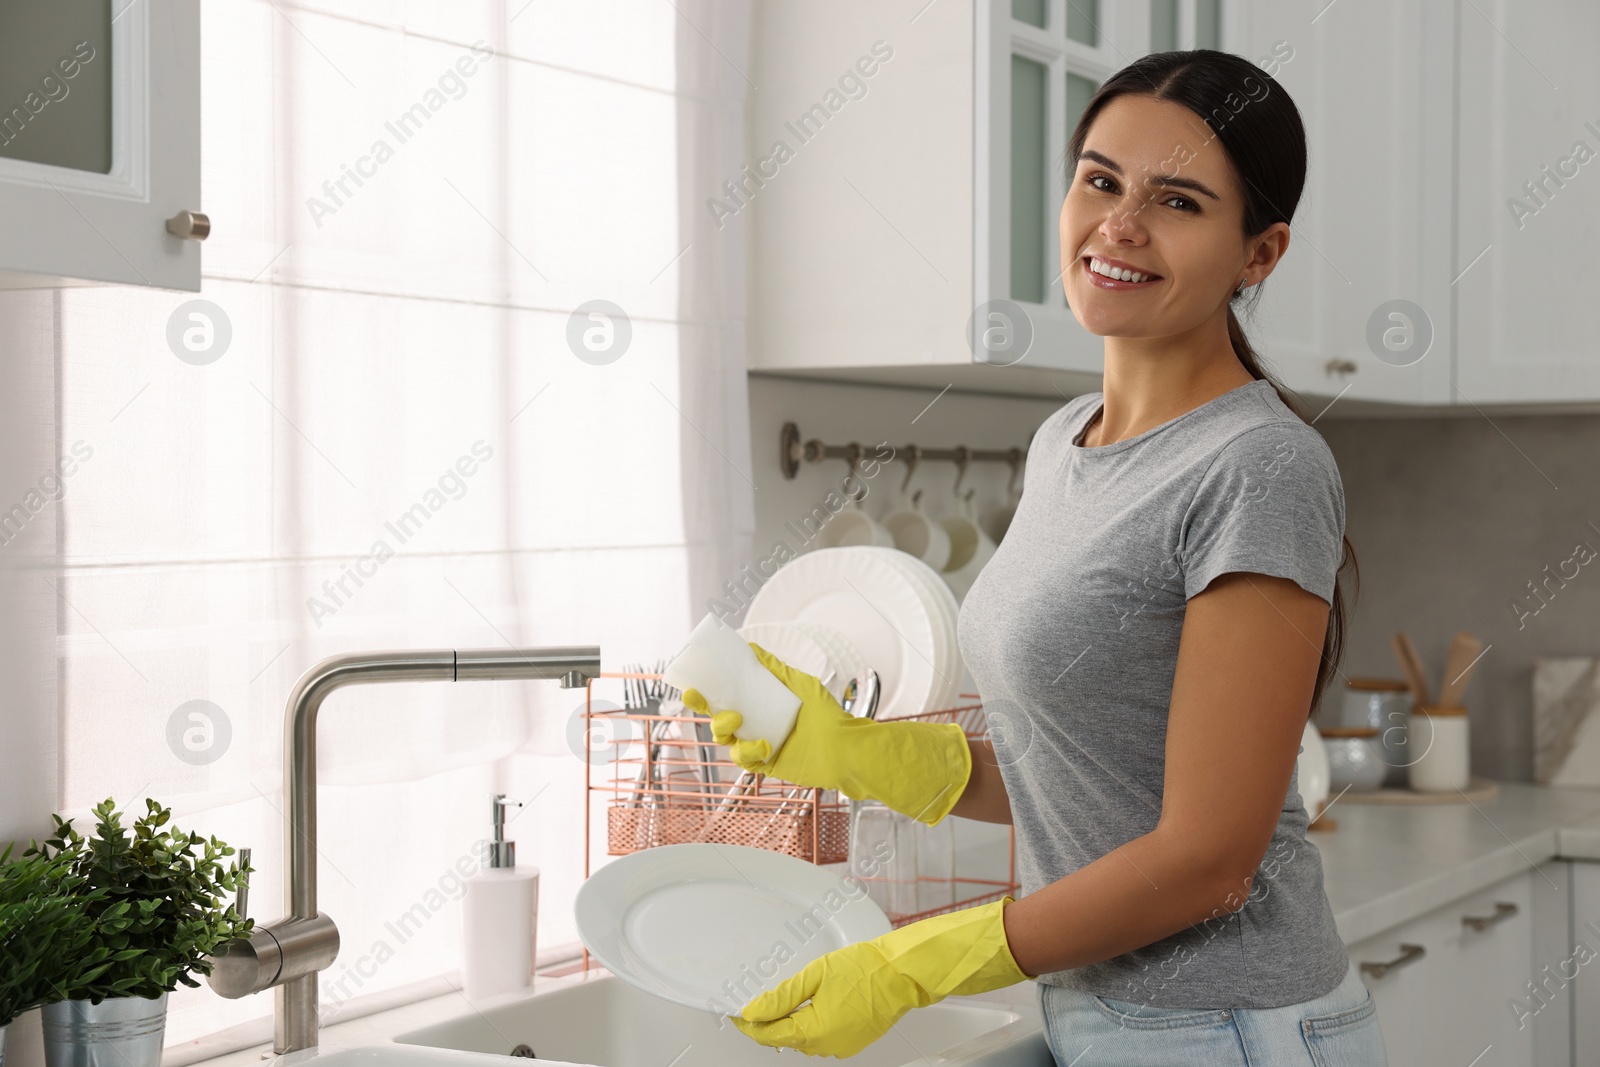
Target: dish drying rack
670 784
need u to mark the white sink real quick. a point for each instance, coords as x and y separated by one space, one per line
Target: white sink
605 1022
597 1020
393 1056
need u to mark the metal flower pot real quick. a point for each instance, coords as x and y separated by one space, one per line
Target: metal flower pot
117 1032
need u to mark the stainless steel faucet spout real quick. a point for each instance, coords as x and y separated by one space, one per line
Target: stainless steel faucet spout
289 953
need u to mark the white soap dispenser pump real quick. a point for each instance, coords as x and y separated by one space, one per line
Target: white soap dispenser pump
499 912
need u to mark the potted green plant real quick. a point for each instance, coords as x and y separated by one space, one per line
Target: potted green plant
155 899
40 927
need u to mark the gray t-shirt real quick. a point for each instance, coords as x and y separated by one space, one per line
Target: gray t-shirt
1071 633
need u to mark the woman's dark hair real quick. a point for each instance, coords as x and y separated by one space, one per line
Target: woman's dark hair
1259 128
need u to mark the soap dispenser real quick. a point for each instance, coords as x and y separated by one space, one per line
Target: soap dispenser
499 915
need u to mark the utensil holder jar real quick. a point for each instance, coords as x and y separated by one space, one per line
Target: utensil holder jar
1440 743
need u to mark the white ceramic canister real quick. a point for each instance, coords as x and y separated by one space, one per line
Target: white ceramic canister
1311 769
1439 742
1384 703
1354 759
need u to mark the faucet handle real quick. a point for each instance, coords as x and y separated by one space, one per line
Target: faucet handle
274 954
243 901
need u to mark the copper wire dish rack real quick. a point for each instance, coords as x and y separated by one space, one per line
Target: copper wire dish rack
663 785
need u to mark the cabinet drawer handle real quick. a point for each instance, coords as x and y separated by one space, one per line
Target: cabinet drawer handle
1340 366
1503 909
1408 954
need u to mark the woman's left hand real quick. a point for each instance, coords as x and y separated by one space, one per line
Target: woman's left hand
858 992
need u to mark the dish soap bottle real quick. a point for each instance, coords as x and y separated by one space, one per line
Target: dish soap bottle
499 915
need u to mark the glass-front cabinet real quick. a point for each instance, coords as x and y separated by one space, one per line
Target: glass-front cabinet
918 242
100 143
1039 63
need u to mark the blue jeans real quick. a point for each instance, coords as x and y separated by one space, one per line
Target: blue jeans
1339 1029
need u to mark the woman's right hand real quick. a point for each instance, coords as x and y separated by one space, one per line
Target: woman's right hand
917 768
810 754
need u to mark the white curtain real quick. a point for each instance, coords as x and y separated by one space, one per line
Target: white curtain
399 448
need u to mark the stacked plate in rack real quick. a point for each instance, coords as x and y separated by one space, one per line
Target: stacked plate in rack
864 606
813 647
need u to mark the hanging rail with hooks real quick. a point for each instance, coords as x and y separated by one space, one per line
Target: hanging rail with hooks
792 452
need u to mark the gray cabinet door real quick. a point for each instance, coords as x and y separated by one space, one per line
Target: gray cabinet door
1361 303
1529 204
99 143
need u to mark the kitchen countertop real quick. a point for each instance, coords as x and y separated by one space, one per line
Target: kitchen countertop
1581 841
1386 864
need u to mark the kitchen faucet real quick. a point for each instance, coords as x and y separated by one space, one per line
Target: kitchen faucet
287 955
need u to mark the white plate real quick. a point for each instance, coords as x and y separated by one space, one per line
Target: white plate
705 925
951 667
877 606
943 609
844 656
790 642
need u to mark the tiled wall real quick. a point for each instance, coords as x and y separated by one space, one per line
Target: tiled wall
1451 518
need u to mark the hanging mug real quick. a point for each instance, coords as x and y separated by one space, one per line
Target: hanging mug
970 548
853 526
917 534
997 519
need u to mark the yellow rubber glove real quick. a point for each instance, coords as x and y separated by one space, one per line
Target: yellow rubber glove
917 768
857 992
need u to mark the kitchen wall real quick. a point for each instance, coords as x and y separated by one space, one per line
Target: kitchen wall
1451 517
29 483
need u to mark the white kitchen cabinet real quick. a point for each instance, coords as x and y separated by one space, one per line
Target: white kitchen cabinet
1449 1005
909 170
1373 226
100 144
1037 64
1529 203
1549 1016
938 191
1583 964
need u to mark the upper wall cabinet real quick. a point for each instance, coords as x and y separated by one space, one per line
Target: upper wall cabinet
859 186
908 171
1361 303
100 144
1529 212
929 185
1038 64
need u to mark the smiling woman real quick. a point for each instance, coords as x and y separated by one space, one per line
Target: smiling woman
1178 548
1152 635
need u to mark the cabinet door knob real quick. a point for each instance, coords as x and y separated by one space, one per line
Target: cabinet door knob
1340 366
190 225
1503 910
1408 954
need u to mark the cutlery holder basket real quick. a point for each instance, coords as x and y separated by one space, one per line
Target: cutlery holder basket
817 834
679 788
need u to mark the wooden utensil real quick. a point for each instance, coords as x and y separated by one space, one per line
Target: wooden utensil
1411 663
1464 652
